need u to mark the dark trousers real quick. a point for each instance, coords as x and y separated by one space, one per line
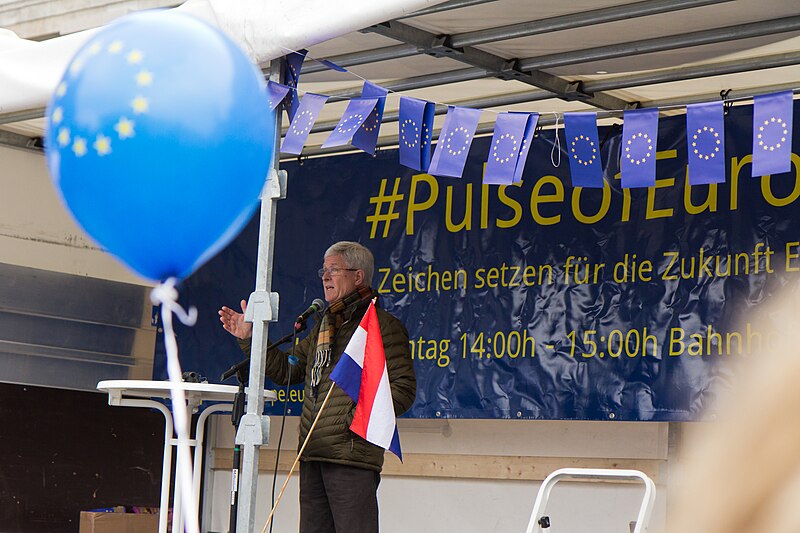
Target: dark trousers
338 499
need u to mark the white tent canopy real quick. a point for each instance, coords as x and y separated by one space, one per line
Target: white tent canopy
546 56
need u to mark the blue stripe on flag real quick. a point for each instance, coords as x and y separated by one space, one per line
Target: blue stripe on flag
347 375
394 447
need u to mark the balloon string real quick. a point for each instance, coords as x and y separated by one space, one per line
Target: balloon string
166 296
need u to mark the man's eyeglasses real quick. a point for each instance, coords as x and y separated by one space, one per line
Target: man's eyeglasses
333 271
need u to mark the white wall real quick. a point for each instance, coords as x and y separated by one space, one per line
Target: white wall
37 231
473 505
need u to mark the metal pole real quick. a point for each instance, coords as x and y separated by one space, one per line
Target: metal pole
262 308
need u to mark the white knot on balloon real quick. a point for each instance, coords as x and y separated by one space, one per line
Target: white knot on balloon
166 295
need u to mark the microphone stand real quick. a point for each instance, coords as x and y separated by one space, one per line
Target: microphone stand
242 372
237 411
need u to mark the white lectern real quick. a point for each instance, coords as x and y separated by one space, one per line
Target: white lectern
139 393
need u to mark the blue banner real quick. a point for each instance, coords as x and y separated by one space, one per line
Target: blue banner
534 300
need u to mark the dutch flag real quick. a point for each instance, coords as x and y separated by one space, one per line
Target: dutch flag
361 373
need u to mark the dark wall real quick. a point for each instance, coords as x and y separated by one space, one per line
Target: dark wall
64 451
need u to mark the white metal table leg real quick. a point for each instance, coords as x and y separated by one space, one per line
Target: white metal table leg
166 465
199 435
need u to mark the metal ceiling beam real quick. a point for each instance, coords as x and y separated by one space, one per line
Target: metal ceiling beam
694 72
660 44
739 94
419 82
513 31
446 6
16 140
636 80
19 116
361 58
576 20
507 69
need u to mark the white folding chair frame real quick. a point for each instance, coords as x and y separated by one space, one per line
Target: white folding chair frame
602 474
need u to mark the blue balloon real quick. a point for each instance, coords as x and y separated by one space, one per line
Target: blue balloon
159 139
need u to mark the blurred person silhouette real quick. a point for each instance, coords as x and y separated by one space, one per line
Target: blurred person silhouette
741 472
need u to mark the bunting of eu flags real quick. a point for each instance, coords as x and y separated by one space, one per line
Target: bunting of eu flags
416 125
638 151
513 134
772 133
291 75
304 119
454 141
583 149
366 137
705 139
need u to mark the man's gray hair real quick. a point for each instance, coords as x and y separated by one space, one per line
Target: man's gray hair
355 255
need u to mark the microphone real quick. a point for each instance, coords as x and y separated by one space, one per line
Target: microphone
315 307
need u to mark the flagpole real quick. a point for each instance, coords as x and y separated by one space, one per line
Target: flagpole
297 459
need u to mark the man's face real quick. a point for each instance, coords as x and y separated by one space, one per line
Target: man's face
338 279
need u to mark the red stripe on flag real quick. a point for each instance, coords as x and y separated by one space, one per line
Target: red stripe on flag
374 367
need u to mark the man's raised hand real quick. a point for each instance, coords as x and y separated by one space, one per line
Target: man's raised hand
234 323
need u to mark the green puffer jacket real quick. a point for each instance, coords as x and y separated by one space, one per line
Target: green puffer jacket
332 441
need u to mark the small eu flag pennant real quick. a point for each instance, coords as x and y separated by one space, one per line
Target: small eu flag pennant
416 125
276 92
583 149
291 75
512 133
772 133
358 109
638 151
367 135
705 143
454 141
304 119
527 140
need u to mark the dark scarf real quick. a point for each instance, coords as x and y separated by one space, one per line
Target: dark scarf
332 320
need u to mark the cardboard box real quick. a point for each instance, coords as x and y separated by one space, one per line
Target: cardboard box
118 522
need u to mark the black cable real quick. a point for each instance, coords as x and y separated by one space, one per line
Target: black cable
292 362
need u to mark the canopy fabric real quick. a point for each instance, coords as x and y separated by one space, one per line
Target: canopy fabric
30 70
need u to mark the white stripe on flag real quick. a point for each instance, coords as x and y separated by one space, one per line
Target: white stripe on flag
380 429
357 346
